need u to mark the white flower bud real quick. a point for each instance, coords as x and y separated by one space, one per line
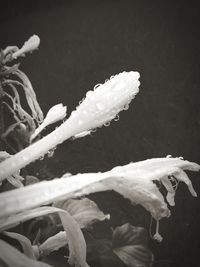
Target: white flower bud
104 103
99 108
30 45
56 113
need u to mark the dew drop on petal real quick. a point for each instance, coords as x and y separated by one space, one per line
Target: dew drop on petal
126 107
97 85
50 153
89 93
107 124
41 158
116 118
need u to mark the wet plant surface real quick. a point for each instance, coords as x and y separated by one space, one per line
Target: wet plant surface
83 44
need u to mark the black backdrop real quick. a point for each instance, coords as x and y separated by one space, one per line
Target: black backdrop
84 43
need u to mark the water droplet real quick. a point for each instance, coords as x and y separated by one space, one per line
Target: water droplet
126 107
81 101
50 153
97 85
116 118
106 124
41 158
89 93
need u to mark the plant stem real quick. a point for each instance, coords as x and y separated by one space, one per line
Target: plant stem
36 150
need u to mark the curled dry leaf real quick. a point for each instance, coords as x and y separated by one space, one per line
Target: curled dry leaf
84 211
130 245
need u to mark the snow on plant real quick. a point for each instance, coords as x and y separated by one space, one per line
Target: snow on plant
61 200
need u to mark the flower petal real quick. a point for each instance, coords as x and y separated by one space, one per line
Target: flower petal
53 243
84 211
171 191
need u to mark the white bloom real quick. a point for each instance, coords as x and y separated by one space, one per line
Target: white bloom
56 113
30 45
98 108
106 100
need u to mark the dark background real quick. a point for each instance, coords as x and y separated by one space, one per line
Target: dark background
84 43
